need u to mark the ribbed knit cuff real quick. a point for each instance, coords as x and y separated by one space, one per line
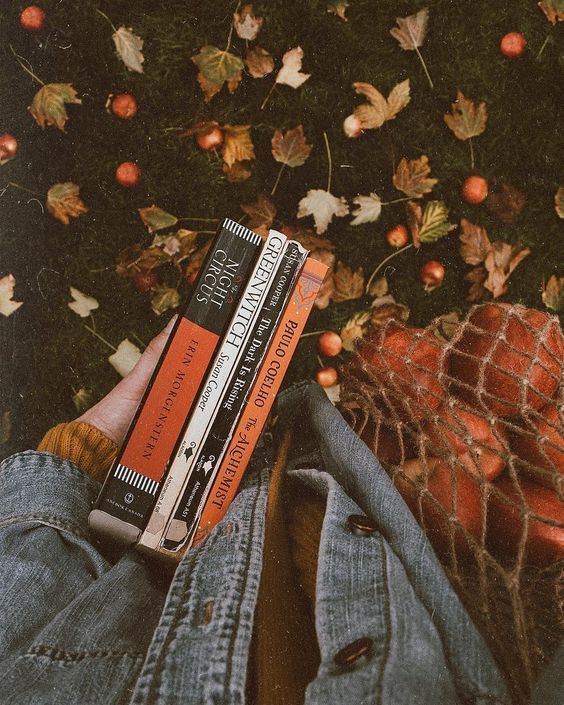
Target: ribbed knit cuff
82 444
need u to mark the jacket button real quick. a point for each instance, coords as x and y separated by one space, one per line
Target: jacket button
347 657
361 525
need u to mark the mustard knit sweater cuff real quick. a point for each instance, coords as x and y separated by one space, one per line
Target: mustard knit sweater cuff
84 445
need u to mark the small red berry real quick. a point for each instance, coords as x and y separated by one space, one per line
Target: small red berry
145 280
209 140
128 174
329 343
124 106
513 45
326 376
32 18
8 147
432 274
397 236
352 126
475 190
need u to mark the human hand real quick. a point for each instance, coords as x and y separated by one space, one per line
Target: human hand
112 414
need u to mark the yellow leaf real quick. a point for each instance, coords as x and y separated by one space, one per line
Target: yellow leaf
238 146
48 104
466 119
63 202
412 177
7 306
379 109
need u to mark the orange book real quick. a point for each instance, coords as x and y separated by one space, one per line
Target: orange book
261 397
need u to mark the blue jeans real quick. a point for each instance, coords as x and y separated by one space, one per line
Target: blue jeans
77 626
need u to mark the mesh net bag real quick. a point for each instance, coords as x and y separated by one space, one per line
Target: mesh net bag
470 428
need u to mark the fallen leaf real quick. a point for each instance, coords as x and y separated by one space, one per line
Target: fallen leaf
156 218
414 214
164 298
390 310
169 244
311 241
216 68
411 30
187 245
63 202
466 119
262 213
135 259
476 276
290 73
500 262
128 47
291 148
412 177
5 426
82 304
200 128
559 202
369 209
326 291
238 145
259 62
125 357
82 400
348 284
323 206
378 110
445 326
246 24
378 287
434 222
237 173
338 8
48 104
506 202
195 262
553 9
475 243
355 328
7 306
553 293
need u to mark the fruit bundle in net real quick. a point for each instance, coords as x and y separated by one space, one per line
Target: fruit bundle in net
470 428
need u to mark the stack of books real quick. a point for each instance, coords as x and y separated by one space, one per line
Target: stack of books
211 393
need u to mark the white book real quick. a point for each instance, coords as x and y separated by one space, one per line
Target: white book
224 366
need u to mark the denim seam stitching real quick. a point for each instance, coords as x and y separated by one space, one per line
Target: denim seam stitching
52 520
75 656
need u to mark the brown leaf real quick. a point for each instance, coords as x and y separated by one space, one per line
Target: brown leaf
553 293
348 284
338 8
291 148
466 119
559 202
237 173
414 216
48 105
200 128
412 177
475 243
216 69
259 62
476 276
506 202
134 259
411 31
246 23
378 110
328 286
238 146
311 241
355 328
388 311
553 9
500 262
196 261
378 287
262 213
63 202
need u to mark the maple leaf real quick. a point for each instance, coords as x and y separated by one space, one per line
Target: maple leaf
7 306
216 68
156 218
475 243
339 8
355 328
312 242
238 145
164 298
500 262
82 400
466 119
323 206
125 357
82 304
430 224
290 73
506 202
246 24
553 9
48 104
262 213
559 202
348 284
128 47
379 109
237 173
553 293
369 209
291 148
259 62
63 202
412 177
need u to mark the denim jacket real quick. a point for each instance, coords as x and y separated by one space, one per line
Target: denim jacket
78 626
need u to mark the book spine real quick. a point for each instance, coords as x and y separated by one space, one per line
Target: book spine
183 522
209 399
128 495
261 399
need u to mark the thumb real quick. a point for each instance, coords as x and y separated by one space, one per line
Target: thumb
148 360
